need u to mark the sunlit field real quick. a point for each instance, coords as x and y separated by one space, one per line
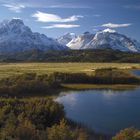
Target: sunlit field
9 69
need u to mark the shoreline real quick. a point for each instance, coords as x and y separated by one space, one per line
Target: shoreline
73 86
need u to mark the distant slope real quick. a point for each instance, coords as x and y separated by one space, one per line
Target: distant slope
104 39
16 37
98 55
66 38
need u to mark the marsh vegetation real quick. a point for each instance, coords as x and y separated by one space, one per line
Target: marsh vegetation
35 119
42 118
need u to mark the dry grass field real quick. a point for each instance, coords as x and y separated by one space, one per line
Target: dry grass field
9 69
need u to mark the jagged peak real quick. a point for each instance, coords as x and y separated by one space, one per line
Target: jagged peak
13 21
69 35
17 21
15 26
101 39
16 36
86 33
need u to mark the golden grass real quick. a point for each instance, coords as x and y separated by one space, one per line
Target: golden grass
9 69
94 86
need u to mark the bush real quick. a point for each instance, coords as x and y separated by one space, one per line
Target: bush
35 119
31 83
63 132
27 83
101 76
128 134
42 113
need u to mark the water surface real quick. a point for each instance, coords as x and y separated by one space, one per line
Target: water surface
136 72
105 111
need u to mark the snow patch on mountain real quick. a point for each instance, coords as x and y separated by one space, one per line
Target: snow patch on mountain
107 38
81 41
16 37
109 30
65 39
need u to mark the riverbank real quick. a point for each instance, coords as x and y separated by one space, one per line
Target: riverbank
50 84
96 86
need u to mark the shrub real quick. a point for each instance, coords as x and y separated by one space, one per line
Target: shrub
35 119
63 132
128 134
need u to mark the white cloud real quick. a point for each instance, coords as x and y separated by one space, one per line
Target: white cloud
46 17
14 7
72 6
112 25
93 15
137 7
47 4
61 26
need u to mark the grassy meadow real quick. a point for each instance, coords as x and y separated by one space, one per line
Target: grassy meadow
10 69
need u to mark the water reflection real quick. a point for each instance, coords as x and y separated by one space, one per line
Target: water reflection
136 72
70 100
105 111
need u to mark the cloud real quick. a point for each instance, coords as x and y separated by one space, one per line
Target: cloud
14 7
68 5
93 15
137 7
47 4
46 17
61 26
112 25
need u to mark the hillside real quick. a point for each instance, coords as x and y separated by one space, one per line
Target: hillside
107 38
98 55
15 36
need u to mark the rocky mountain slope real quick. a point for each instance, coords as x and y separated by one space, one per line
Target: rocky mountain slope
16 37
66 38
104 39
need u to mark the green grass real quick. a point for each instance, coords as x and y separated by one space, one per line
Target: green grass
9 69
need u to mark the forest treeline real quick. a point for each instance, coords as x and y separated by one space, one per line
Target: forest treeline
96 55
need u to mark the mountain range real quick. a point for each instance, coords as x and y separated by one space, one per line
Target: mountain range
15 36
103 39
66 38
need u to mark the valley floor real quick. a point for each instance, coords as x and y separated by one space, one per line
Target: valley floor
9 69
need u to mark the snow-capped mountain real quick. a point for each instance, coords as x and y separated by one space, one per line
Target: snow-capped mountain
16 37
104 39
65 39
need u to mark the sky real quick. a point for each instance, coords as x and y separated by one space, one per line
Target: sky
57 17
